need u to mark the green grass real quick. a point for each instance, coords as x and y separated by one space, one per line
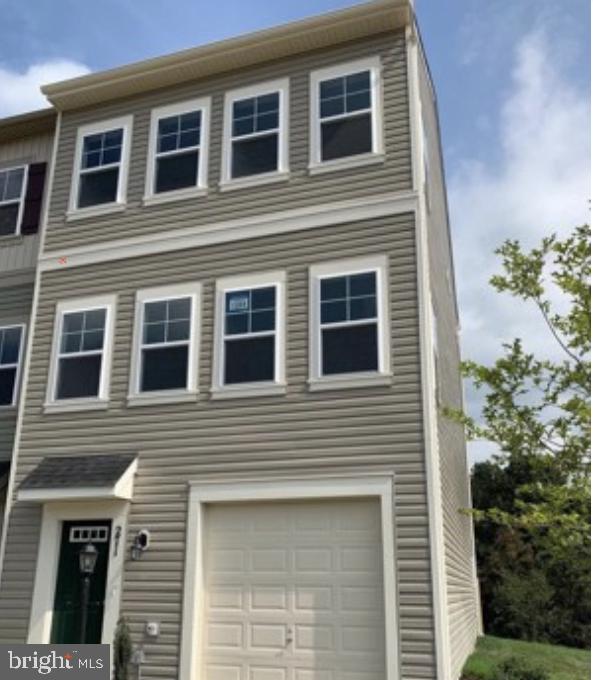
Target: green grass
562 663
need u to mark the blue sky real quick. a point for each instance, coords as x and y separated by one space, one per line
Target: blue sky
512 78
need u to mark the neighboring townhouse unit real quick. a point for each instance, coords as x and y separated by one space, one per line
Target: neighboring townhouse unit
244 330
25 149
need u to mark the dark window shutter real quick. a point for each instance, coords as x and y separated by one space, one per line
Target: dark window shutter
33 198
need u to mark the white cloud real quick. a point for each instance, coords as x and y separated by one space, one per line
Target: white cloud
19 92
540 185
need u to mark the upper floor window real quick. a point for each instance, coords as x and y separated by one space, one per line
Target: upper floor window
349 318
256 134
178 150
346 114
250 342
101 165
166 341
82 350
12 195
11 343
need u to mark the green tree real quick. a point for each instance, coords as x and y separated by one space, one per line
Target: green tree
532 501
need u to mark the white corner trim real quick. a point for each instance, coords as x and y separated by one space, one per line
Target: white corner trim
124 122
309 217
48 555
374 66
280 86
428 378
379 264
281 489
193 291
203 105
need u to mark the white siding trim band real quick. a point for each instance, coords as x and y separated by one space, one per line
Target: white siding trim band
341 212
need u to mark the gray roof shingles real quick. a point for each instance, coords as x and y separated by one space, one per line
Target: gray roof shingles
67 472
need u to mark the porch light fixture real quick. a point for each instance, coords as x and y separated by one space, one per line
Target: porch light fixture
140 544
87 561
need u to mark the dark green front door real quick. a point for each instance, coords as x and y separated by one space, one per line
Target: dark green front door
67 603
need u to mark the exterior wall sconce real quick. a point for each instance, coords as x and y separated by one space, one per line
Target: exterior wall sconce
140 544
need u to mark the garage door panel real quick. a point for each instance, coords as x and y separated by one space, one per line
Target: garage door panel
296 594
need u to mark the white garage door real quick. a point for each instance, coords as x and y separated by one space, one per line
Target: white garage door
294 591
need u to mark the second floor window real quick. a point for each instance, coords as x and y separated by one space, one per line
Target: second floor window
101 165
165 345
249 335
165 361
256 134
80 355
178 150
11 338
348 314
79 372
349 328
12 193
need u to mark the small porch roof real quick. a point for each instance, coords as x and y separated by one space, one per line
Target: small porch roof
91 477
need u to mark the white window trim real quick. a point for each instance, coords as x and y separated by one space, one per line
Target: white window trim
193 291
124 122
281 489
377 155
379 265
21 199
282 86
19 365
53 405
48 556
277 386
200 189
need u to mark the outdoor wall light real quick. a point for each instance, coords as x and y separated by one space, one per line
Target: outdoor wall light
140 543
87 559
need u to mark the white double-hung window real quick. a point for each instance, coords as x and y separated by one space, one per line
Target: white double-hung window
12 199
346 115
101 166
178 150
250 335
349 322
255 146
11 351
166 339
81 356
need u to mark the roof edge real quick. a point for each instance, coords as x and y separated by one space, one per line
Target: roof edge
27 124
361 20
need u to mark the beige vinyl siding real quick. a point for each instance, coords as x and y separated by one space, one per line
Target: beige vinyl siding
301 190
15 307
360 430
462 607
19 253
